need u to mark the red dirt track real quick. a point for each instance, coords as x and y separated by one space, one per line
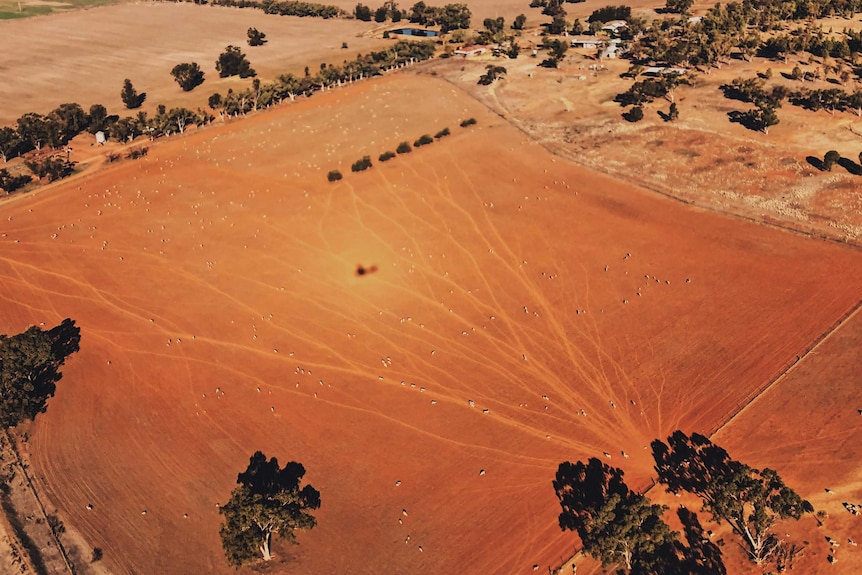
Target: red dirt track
502 276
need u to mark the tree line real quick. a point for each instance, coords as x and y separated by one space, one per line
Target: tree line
281 8
619 526
289 86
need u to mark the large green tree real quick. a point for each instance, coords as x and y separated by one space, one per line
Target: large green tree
454 17
615 524
749 500
30 369
11 143
131 98
232 62
188 75
268 500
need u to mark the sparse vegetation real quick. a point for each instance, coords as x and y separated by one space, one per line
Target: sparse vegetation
404 148
386 156
492 72
334 176
468 122
442 133
634 114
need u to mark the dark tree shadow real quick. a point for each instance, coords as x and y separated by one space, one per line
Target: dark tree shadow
850 166
816 162
701 556
65 340
744 118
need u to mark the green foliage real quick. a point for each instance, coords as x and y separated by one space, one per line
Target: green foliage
492 73
386 156
36 130
97 118
362 12
673 112
188 75
679 6
831 158
30 369
334 176
404 148
361 164
381 14
255 37
71 120
554 8
131 98
468 122
615 524
51 167
10 183
519 22
268 500
558 25
610 13
442 133
748 499
423 140
125 129
635 114
454 17
232 62
215 101
11 143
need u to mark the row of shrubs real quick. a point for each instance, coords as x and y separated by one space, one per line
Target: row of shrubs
364 162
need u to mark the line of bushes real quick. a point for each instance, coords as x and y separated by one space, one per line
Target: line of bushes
364 163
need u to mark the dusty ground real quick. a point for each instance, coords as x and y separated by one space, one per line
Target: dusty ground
702 157
84 56
224 260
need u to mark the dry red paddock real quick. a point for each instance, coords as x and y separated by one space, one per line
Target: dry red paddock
214 282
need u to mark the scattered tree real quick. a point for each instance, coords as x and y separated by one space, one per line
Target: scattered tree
268 500
97 554
334 176
232 62
30 369
386 156
831 158
11 143
673 112
255 37
519 22
404 148
615 524
188 75
442 133
362 12
492 73
748 499
679 6
131 98
468 122
51 167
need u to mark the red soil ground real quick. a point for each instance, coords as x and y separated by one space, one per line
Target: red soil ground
504 274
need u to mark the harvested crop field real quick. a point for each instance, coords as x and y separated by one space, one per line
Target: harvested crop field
524 311
84 56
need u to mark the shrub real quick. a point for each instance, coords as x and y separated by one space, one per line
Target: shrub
188 75
361 164
256 37
136 153
232 62
386 156
404 148
636 114
54 168
334 176
831 158
112 157
468 122
442 133
423 140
